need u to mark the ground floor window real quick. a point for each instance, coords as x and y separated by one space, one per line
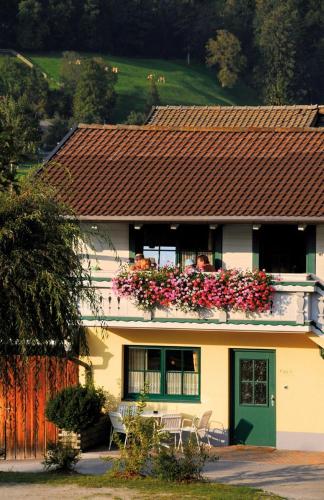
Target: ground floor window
171 373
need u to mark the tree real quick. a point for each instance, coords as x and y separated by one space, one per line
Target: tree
277 32
95 95
31 26
225 52
153 97
19 137
70 73
18 80
41 275
89 24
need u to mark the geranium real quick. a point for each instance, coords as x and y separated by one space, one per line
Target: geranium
234 289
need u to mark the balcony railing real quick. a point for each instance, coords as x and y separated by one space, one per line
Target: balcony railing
297 305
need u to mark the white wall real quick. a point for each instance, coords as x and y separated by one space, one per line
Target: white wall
102 254
237 246
320 251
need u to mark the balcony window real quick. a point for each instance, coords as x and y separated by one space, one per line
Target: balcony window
283 248
171 373
169 246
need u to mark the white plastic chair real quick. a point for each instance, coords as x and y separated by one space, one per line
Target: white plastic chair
198 427
171 424
127 410
117 425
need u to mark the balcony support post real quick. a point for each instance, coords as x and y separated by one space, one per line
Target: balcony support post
300 318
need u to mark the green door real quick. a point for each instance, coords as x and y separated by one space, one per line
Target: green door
253 398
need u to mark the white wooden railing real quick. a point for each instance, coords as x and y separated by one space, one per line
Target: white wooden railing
298 303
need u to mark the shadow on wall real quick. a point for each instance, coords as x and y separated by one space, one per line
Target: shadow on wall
99 349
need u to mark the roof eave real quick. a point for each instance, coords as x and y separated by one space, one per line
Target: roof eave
203 218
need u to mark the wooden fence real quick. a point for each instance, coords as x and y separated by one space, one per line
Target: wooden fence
24 431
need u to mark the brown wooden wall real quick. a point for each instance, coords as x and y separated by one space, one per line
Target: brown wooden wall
24 430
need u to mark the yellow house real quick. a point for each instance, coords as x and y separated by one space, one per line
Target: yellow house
247 198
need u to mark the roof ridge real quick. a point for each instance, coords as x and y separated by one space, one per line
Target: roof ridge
231 106
148 126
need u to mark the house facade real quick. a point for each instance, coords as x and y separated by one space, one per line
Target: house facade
248 198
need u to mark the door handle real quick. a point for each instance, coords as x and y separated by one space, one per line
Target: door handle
272 399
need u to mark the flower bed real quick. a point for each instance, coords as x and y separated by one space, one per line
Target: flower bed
231 289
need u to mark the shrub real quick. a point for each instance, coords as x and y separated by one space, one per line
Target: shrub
75 408
170 466
143 439
61 458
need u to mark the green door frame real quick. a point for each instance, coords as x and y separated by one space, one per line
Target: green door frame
233 388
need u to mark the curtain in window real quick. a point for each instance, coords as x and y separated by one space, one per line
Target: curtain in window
135 381
190 384
137 359
173 382
153 379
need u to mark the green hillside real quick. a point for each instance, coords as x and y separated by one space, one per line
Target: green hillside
191 85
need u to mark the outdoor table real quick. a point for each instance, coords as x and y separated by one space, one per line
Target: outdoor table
152 414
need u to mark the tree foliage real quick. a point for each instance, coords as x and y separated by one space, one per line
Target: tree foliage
41 274
278 32
18 80
95 95
225 52
19 137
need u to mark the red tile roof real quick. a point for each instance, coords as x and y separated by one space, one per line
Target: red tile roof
131 172
234 116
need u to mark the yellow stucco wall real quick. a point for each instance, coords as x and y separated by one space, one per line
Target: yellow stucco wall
299 371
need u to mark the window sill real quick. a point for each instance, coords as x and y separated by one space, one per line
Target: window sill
163 400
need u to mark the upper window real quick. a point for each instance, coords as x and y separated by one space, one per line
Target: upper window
170 373
282 249
174 246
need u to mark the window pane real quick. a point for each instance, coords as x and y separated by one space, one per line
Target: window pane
190 361
246 369
153 359
173 360
173 382
260 393
151 252
260 370
136 359
191 384
153 380
168 257
246 396
135 381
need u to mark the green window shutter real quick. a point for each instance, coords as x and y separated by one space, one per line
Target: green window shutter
218 248
255 249
311 249
131 232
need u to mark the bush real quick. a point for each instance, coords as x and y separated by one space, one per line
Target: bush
143 439
75 408
61 458
170 466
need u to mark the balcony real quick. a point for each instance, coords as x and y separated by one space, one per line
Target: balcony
297 306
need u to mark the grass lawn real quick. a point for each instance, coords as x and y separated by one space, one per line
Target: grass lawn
144 487
191 85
